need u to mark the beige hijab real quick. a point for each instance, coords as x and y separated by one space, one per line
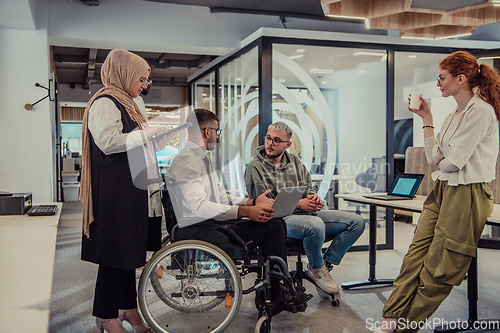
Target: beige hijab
119 73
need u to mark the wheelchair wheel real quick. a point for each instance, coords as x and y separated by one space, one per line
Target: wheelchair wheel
263 325
190 286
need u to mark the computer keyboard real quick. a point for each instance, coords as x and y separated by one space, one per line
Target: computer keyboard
40 210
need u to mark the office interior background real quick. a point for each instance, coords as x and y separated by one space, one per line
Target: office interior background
336 74
340 84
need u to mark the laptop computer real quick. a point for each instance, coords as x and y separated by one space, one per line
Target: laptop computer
287 200
404 187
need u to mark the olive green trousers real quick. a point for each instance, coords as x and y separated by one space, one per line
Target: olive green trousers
445 240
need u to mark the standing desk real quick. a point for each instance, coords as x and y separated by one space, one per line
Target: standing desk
415 206
27 249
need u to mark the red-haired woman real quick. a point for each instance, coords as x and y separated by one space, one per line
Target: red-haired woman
456 210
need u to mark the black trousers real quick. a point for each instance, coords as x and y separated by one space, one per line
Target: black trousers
270 236
114 289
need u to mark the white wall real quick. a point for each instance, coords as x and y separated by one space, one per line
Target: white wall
26 148
362 109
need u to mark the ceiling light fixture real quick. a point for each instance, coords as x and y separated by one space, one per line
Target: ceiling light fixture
301 50
486 58
412 56
296 56
454 36
324 82
281 80
367 24
321 71
377 54
412 37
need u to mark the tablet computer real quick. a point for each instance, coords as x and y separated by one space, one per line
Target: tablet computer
287 200
161 134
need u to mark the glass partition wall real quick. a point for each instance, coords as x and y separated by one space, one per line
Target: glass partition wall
238 115
343 101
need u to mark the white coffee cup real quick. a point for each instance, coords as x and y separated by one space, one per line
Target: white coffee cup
415 101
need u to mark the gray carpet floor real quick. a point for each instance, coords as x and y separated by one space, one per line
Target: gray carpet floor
73 287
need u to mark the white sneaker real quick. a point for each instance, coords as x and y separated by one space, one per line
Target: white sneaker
323 279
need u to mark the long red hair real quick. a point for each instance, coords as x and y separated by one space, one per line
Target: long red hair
482 76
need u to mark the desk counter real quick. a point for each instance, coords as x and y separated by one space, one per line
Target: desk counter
27 249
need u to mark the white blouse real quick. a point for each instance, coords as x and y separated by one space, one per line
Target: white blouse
106 128
468 140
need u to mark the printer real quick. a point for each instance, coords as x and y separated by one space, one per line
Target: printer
15 203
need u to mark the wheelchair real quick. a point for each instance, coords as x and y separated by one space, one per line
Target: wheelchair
193 284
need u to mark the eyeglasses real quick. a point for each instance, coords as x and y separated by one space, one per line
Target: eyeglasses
218 131
145 82
441 79
276 141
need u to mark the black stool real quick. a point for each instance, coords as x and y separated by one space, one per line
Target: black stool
295 247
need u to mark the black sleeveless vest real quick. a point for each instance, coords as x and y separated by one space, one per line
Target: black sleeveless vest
118 235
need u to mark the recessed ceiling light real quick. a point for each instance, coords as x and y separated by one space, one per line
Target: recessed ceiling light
296 56
412 56
324 82
238 79
454 36
281 80
377 54
320 71
300 50
485 58
367 23
412 37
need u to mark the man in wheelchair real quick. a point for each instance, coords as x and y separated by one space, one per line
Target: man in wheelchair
198 199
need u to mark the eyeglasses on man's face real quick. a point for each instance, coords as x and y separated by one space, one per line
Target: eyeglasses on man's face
218 131
145 82
275 141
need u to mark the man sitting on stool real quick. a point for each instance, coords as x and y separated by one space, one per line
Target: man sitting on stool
273 168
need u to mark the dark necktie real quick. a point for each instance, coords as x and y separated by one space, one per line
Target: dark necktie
212 188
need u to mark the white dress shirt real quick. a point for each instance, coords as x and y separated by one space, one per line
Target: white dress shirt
191 186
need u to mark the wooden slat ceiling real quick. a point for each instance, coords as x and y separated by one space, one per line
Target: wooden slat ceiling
419 18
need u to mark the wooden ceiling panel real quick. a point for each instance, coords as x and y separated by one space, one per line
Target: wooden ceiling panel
416 22
407 20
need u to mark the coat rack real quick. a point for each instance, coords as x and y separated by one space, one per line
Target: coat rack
30 106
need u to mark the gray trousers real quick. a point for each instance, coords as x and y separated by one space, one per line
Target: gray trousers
439 256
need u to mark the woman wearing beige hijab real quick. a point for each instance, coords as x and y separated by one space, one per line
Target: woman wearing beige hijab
115 220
